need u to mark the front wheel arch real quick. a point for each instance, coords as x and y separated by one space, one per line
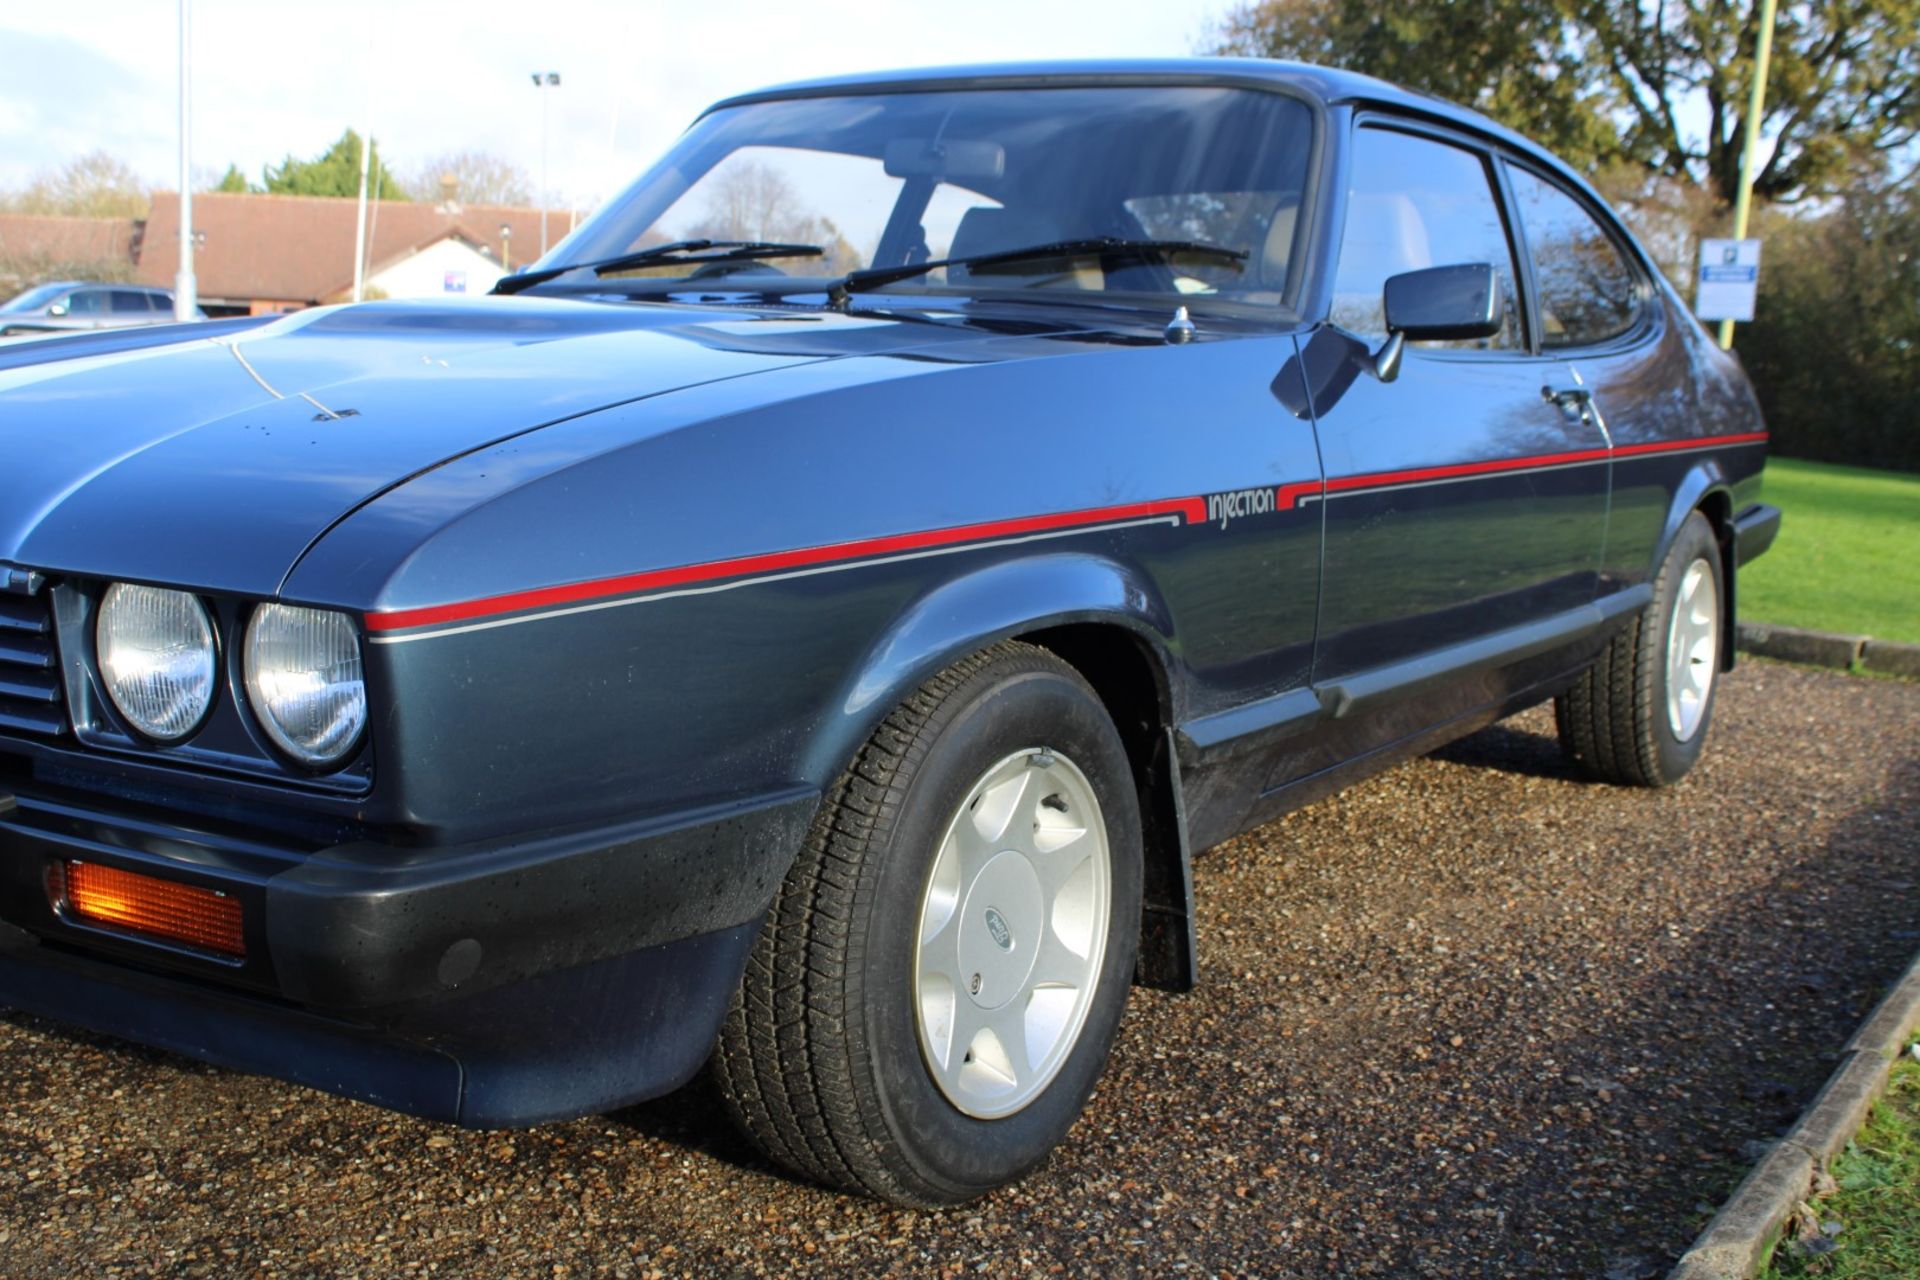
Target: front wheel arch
824 1055
1132 678
1105 619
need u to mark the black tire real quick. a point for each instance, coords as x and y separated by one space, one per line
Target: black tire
819 1059
1614 723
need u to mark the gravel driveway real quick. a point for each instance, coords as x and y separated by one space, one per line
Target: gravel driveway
1472 1018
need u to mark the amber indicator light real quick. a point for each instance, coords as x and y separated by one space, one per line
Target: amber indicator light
154 908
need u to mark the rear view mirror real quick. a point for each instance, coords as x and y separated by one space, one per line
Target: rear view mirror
956 161
1444 302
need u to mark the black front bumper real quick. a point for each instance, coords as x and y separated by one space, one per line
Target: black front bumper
494 984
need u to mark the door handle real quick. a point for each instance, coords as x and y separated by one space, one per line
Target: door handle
1574 401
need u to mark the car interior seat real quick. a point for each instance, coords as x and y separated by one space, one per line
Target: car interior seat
994 230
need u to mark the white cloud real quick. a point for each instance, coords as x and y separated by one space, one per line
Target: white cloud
273 77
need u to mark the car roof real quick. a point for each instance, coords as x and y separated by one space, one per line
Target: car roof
1327 85
98 284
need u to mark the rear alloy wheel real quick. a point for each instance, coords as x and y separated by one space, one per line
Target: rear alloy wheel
1639 715
1693 649
936 989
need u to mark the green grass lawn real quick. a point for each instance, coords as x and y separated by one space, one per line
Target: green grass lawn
1848 555
1878 1201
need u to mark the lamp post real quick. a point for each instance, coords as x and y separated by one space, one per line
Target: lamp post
506 247
360 221
186 302
544 80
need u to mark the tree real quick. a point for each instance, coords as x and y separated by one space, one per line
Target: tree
1516 60
1667 214
479 177
97 185
1834 349
234 182
1622 79
335 172
1842 87
750 201
20 271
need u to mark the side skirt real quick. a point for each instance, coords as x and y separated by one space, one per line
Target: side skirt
1227 759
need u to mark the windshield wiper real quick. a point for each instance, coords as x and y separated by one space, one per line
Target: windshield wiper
1104 246
691 252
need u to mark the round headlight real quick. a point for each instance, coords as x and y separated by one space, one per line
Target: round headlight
156 658
305 680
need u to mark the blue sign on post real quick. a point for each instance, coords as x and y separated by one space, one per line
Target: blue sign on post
1729 279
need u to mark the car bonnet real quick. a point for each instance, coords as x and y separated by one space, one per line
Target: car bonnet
214 463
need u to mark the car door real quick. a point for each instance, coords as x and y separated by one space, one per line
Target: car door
128 306
1463 504
1600 324
88 308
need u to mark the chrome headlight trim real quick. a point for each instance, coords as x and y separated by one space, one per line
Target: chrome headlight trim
158 659
306 682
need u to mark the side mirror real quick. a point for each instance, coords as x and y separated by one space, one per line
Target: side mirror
1435 304
57 309
1444 302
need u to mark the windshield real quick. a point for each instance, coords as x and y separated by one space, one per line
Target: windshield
34 299
889 180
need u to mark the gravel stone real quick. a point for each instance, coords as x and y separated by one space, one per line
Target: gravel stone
1470 1018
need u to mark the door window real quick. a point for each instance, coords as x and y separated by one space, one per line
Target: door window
1415 203
87 302
1588 290
128 301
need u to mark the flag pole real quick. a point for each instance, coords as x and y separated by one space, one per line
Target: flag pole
1756 102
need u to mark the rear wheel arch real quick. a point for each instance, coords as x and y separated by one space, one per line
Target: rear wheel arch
1708 490
1639 714
1716 504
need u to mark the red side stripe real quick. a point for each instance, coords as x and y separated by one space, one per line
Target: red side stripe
1670 446
1194 510
1290 495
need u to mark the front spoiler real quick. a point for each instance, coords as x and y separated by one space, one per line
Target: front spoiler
579 1042
502 983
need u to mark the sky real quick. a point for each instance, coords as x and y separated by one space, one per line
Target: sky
428 77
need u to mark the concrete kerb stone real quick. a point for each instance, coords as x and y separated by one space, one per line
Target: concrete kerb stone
1892 1021
1732 1245
1891 658
1797 644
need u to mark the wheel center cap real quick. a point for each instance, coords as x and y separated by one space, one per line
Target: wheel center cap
997 928
1001 924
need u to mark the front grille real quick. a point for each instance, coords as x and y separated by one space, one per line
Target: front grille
31 700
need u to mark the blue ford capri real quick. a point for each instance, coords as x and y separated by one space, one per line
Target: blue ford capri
805 625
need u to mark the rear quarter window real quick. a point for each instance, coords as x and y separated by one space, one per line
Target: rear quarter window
1588 290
